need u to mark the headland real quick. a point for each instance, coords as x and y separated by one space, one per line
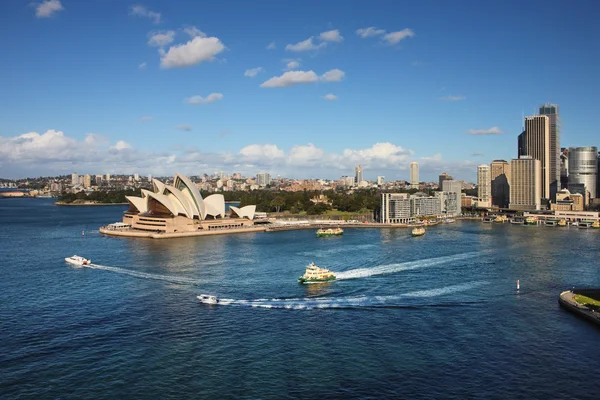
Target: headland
583 302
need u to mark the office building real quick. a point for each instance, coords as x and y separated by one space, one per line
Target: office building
74 179
414 175
443 177
525 183
598 177
358 174
380 180
108 177
450 202
583 168
567 201
500 175
564 168
452 186
263 179
535 142
551 111
484 186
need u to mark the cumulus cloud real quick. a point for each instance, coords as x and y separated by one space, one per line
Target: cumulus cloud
330 97
395 37
161 39
121 145
292 64
195 51
453 98
253 72
305 45
204 100
261 152
335 75
184 127
291 78
271 46
48 8
331 36
368 32
494 130
141 11
192 31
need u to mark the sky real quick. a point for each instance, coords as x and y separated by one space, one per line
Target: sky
298 89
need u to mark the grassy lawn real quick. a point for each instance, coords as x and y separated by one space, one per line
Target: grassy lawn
586 300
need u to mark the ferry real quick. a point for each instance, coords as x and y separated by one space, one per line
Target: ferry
316 274
518 221
531 221
208 299
551 222
330 232
501 219
562 222
78 260
418 231
449 221
596 225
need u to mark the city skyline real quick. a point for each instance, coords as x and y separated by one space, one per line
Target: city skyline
192 88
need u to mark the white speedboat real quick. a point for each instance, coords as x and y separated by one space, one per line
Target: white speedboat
208 299
78 260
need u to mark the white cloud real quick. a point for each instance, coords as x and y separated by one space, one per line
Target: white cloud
146 118
305 156
141 11
494 130
381 155
453 98
260 153
161 39
204 100
184 127
335 75
368 32
142 65
395 37
291 78
48 8
195 51
271 46
194 32
121 145
305 45
253 72
330 96
331 36
292 64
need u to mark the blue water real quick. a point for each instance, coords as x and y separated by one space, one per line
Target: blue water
431 317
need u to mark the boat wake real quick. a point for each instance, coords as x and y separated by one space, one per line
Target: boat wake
392 268
410 299
145 275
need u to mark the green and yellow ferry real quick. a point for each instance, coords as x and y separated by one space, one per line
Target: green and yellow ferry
316 274
330 232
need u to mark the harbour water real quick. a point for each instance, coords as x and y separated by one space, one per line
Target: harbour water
436 316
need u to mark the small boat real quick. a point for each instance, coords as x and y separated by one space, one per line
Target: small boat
208 299
596 225
562 222
78 260
531 221
551 222
518 221
500 219
418 231
450 221
330 232
575 223
316 274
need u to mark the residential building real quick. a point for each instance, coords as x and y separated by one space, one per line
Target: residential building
551 110
444 177
452 186
263 179
87 181
358 174
395 208
99 179
425 206
535 142
484 186
108 177
136 177
74 179
450 202
500 176
583 167
525 183
380 180
414 175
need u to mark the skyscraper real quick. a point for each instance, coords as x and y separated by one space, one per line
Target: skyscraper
551 110
484 189
358 174
74 179
263 179
500 171
535 142
87 181
414 175
443 177
583 167
525 183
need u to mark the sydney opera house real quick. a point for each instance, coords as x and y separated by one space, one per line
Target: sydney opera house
181 208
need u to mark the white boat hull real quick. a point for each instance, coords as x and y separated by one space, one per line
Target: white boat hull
78 261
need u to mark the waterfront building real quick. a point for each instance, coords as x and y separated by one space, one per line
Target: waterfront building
484 186
535 142
87 181
467 201
263 179
583 168
500 176
551 111
525 183
443 177
567 201
580 189
414 175
74 179
380 180
450 202
395 208
421 206
358 174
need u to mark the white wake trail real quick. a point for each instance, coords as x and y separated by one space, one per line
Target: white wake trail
145 275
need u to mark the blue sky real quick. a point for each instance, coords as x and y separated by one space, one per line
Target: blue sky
113 86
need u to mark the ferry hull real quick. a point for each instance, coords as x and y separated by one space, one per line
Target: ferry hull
315 280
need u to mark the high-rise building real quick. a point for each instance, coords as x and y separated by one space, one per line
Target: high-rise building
484 186
551 110
380 180
444 177
535 142
87 181
74 179
598 177
98 179
500 175
136 177
583 167
452 186
414 175
108 177
395 208
263 179
149 177
358 174
525 183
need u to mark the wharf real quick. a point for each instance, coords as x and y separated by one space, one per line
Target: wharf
567 301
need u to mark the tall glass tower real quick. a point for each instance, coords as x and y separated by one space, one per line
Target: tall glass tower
551 110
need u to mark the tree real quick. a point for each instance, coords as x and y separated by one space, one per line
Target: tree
278 202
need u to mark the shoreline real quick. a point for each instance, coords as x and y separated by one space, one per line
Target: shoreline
154 235
60 203
567 301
